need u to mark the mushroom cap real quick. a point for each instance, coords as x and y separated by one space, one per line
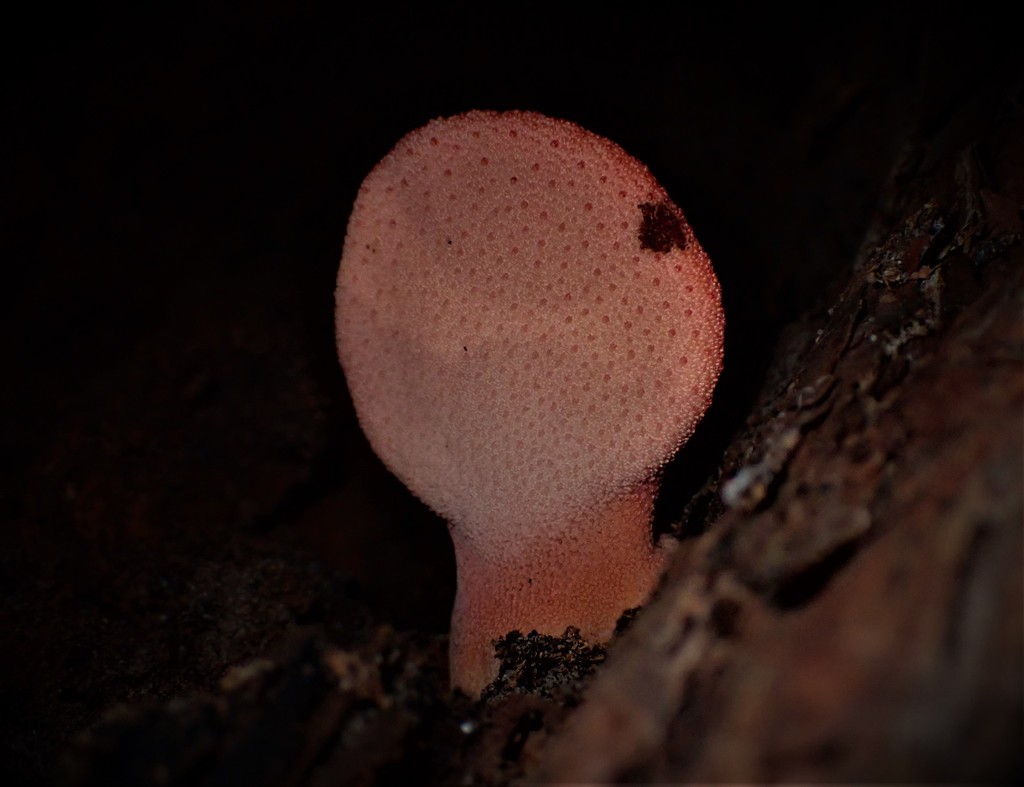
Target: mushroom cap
527 324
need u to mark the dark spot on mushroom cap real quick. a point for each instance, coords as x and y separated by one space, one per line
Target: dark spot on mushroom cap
663 227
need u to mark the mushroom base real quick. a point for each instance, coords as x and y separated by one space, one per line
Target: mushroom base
583 573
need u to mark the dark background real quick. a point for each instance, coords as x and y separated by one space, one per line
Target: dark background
183 478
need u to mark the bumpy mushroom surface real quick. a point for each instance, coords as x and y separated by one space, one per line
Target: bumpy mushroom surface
529 331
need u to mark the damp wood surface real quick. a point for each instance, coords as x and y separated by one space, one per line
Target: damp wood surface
208 579
854 611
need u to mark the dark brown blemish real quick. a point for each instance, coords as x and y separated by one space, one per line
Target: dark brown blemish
663 227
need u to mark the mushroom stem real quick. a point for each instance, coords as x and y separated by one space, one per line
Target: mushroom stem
584 572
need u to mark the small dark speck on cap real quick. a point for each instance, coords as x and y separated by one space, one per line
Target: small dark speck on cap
662 227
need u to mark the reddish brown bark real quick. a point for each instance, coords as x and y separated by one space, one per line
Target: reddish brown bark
855 612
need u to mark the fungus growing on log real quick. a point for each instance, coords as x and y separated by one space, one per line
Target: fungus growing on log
529 331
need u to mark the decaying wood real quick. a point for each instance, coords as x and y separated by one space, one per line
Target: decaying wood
855 611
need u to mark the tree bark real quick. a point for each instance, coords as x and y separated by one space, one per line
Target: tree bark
854 613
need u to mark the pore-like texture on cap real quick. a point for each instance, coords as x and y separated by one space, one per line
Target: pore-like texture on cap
527 324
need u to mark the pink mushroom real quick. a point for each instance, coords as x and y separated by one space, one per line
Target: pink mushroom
529 331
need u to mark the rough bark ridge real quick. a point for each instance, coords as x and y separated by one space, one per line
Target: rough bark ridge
855 611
